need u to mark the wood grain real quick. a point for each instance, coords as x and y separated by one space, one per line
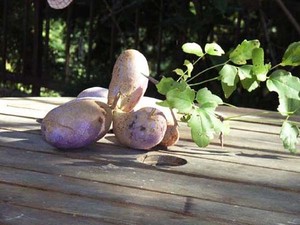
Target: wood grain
105 183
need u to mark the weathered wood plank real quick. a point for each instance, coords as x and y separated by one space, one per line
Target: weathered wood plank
243 135
46 103
29 107
128 172
242 156
239 156
196 166
135 195
14 123
254 115
105 210
246 140
234 146
252 176
237 138
30 102
17 215
194 211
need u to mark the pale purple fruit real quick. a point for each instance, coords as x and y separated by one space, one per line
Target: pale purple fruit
128 82
141 129
59 4
172 133
76 123
94 92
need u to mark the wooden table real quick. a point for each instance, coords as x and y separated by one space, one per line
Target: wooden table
251 180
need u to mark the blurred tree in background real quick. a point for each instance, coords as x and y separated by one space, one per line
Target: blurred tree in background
48 51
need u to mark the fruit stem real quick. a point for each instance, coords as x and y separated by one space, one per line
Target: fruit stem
116 100
151 79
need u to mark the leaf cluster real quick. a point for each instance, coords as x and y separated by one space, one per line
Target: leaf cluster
197 107
245 65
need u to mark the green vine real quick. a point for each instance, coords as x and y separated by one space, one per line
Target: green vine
246 65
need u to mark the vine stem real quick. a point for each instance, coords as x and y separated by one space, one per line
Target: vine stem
194 63
207 69
205 81
174 117
151 79
275 66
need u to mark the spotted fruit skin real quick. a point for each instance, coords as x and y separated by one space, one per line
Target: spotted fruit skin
128 80
141 129
172 133
76 124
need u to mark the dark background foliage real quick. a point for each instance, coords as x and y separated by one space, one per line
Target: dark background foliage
67 50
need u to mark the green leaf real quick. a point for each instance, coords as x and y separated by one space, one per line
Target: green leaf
164 103
291 56
179 72
192 48
250 84
189 68
289 135
204 96
244 71
259 68
166 84
192 8
229 79
201 132
204 124
185 74
181 99
288 106
243 51
228 90
285 84
228 74
213 49
248 79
